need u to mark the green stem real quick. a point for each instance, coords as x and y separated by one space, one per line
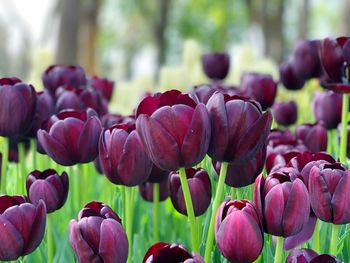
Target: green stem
128 222
50 247
216 203
233 193
189 208
279 250
316 237
344 127
155 212
34 153
334 240
22 167
4 165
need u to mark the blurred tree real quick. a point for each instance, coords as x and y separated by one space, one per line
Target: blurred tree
346 17
304 13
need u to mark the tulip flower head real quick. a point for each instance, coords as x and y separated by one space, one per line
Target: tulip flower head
103 85
314 136
216 65
289 78
305 255
285 113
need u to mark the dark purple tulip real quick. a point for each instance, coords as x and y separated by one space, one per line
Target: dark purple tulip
305 255
260 87
203 92
306 61
98 235
289 77
123 157
283 204
18 101
239 128
216 65
45 108
170 253
285 112
49 187
243 243
327 108
59 75
80 99
314 136
22 226
200 190
329 188
103 85
111 119
71 137
157 175
243 174
174 129
146 190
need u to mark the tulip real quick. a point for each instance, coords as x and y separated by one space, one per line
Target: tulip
283 204
200 190
103 85
260 87
289 78
49 187
305 255
239 128
327 107
171 253
174 130
123 157
216 65
285 113
146 190
59 75
22 226
202 93
108 120
71 137
314 136
306 61
98 235
18 101
243 243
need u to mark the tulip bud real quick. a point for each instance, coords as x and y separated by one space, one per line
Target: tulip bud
260 87
22 226
202 93
123 157
329 188
165 252
71 137
174 130
146 190
305 255
103 85
289 78
18 102
239 128
216 65
285 113
314 136
49 187
98 235
283 204
327 108
200 190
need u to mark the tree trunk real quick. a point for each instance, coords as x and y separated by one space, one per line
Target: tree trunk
304 12
346 18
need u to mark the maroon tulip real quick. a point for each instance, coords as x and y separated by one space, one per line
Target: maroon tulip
243 174
305 255
103 85
243 243
283 204
200 190
174 129
289 78
239 128
260 87
306 61
59 75
146 190
327 108
111 119
170 253
216 65
329 188
72 137
18 101
202 93
45 108
49 187
314 136
123 157
285 113
22 226
98 235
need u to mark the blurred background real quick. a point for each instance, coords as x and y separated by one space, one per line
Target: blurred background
153 43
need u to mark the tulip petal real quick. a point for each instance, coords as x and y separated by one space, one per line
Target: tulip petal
331 56
273 211
341 200
43 190
88 140
12 243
